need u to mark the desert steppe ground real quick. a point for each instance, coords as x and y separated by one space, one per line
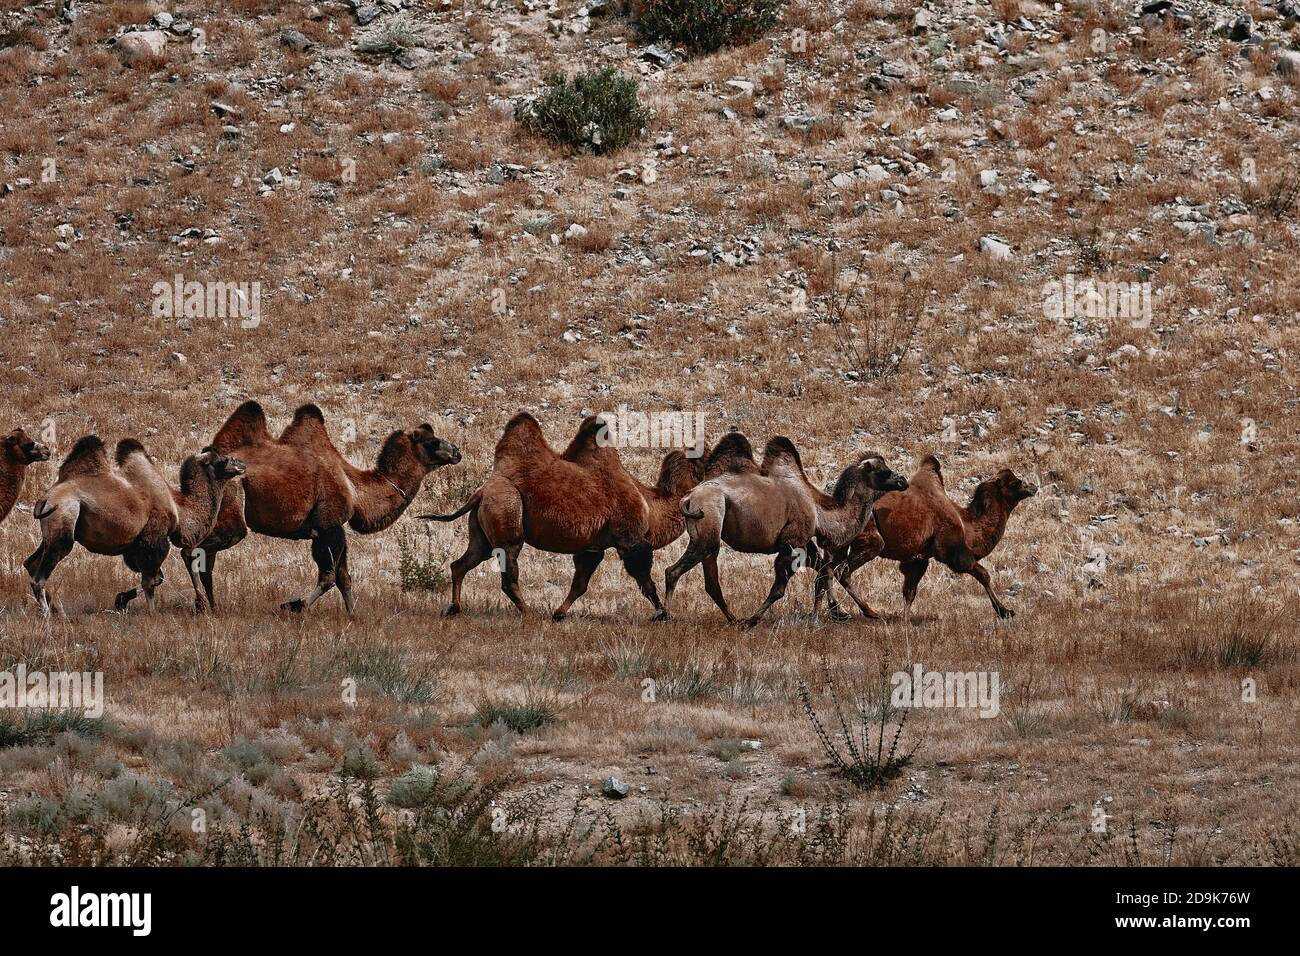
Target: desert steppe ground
810 250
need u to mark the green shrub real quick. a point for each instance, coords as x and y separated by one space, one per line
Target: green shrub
703 26
596 111
420 570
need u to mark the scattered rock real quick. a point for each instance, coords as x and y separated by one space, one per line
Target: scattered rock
143 43
614 788
995 247
296 41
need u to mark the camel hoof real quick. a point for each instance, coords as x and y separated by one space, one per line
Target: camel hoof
452 610
660 616
840 617
297 606
1006 613
559 616
747 624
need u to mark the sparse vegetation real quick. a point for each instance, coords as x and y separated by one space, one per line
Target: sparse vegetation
866 760
704 26
596 111
417 264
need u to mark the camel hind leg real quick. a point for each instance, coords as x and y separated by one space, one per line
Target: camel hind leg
585 564
713 586
58 535
328 549
782 571
477 551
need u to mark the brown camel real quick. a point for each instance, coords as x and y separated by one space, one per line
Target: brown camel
582 502
17 451
299 487
124 506
924 524
773 509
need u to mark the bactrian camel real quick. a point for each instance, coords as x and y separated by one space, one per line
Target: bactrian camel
773 509
124 506
299 487
580 502
923 524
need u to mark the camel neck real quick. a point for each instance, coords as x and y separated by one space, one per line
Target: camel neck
11 483
197 502
984 531
381 497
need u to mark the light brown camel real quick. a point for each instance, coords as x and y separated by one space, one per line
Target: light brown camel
582 502
299 487
923 524
773 509
124 506
17 451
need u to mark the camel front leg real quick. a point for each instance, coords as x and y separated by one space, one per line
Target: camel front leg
585 564
913 571
827 571
196 562
327 550
638 561
978 572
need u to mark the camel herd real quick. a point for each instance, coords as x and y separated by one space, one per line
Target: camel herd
581 501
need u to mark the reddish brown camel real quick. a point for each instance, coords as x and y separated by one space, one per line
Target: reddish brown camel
124 506
922 524
299 487
17 451
582 502
773 509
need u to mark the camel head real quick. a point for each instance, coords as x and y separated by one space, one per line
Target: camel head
682 470
879 477
432 451
23 450
219 466
868 479
1012 489
1004 488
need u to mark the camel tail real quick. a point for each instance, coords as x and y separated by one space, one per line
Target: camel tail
688 512
42 510
463 510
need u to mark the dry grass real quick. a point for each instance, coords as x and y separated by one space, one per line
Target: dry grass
1122 690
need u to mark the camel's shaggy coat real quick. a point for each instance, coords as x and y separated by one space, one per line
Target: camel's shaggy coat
581 502
774 509
124 506
299 487
17 451
922 524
